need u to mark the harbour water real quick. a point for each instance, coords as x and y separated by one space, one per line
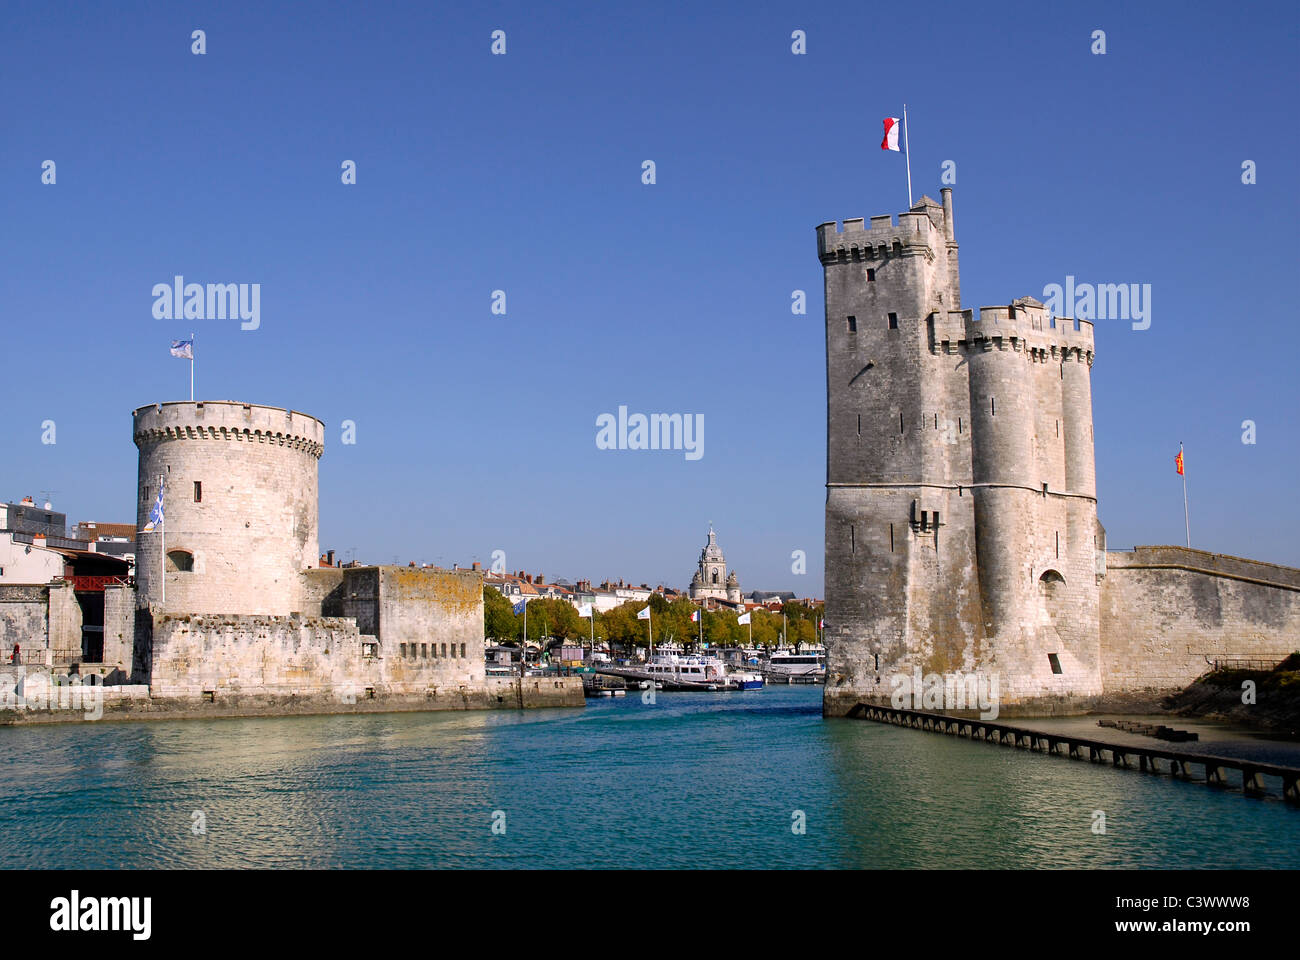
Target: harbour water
692 780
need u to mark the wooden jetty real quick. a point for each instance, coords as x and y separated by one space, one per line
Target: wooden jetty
1179 764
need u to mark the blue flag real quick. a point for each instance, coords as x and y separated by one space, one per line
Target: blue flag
156 514
519 607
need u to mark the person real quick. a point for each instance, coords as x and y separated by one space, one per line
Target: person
14 659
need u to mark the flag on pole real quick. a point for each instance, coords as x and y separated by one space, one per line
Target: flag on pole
156 514
695 617
584 610
743 619
643 614
821 624
183 349
519 607
1178 461
891 134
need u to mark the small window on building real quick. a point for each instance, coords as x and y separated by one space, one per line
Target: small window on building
993 407
871 275
444 649
853 324
424 650
403 650
853 539
198 491
180 561
893 321
891 538
1055 661
462 651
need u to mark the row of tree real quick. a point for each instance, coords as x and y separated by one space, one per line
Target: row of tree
551 619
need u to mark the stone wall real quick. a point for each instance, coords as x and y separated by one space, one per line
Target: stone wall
65 623
1167 611
194 655
119 627
24 618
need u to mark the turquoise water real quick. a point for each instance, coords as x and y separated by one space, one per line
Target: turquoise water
694 780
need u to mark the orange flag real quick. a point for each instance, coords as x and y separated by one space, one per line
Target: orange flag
1179 460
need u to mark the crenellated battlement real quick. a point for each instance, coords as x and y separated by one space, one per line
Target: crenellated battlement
920 230
226 420
1021 326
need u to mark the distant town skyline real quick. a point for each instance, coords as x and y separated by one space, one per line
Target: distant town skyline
501 275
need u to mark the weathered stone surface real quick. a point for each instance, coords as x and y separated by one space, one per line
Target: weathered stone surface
961 531
1167 612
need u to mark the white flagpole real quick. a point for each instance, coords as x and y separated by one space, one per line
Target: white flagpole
162 541
1187 523
191 367
907 155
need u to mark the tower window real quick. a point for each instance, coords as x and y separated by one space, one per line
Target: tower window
1058 542
891 538
1055 661
993 407
853 324
180 561
1058 428
900 421
959 424
893 321
871 275
859 424
853 539
198 491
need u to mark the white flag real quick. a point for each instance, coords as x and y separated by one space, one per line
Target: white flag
743 619
584 610
643 614
891 134
183 349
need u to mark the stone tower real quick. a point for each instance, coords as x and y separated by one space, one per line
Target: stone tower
711 578
240 506
961 514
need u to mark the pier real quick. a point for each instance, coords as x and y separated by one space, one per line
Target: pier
1248 775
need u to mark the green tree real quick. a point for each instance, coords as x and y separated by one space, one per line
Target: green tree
499 622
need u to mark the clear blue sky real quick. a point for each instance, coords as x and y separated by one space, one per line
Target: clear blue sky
523 173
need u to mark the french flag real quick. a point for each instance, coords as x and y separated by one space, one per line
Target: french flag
695 617
891 134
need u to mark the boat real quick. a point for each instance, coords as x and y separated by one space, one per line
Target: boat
676 668
746 680
808 661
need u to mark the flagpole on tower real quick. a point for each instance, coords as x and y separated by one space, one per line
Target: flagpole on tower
1187 523
907 157
191 367
162 542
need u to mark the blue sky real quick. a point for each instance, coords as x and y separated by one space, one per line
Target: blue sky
522 173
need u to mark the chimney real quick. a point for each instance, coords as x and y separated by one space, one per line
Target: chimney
329 558
477 566
541 579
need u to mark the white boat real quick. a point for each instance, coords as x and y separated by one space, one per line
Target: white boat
808 659
746 680
677 668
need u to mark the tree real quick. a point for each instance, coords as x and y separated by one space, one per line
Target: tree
499 621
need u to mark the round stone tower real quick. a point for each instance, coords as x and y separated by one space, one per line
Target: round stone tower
240 506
